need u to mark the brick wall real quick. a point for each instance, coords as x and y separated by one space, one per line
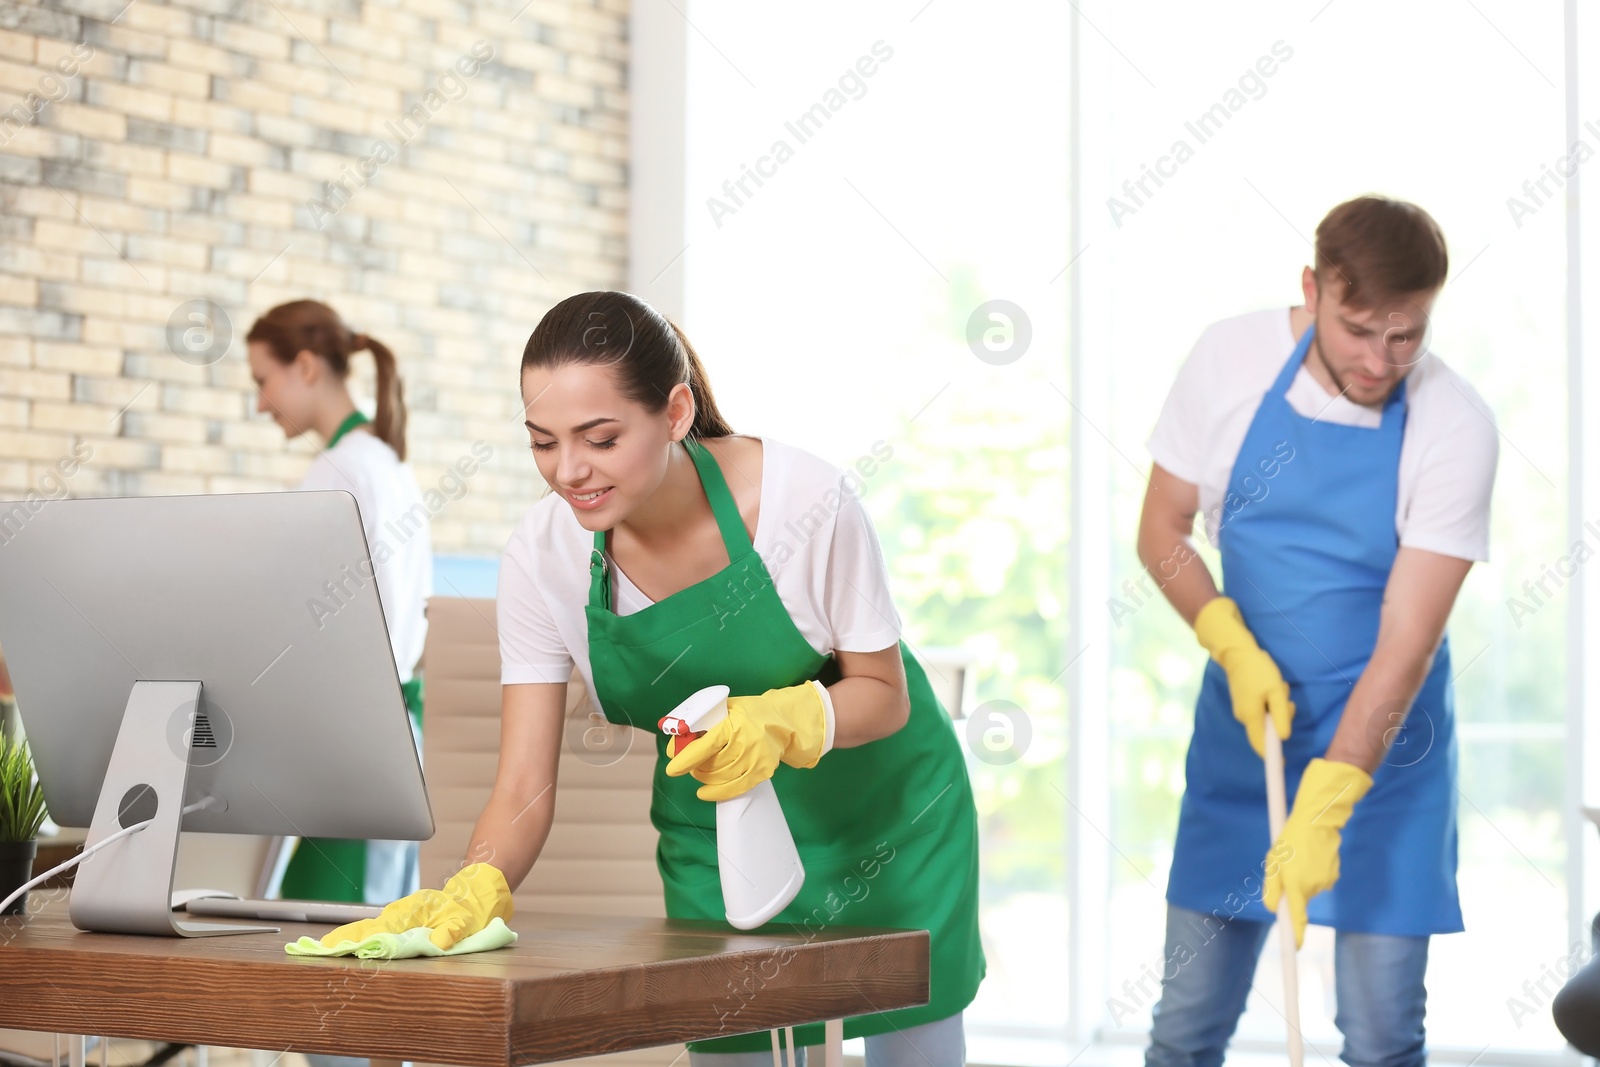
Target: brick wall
440 172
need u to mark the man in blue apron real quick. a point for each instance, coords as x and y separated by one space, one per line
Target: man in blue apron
1345 473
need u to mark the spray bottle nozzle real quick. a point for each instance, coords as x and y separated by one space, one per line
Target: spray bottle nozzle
678 729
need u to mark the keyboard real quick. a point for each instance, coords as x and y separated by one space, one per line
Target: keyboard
288 911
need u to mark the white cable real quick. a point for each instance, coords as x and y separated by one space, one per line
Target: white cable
203 802
73 862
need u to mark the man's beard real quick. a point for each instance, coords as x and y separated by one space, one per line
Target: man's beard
1344 386
1316 347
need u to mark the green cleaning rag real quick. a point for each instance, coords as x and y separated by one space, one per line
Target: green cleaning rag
413 942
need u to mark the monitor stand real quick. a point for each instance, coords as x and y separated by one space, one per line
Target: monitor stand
126 887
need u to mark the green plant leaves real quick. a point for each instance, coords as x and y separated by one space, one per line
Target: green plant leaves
22 809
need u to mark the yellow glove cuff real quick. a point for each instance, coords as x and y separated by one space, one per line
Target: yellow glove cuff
1220 628
807 714
828 723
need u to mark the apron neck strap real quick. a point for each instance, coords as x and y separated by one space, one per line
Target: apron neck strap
354 419
599 578
729 522
1396 397
1280 388
734 537
1292 366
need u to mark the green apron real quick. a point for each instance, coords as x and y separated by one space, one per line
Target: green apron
335 868
887 831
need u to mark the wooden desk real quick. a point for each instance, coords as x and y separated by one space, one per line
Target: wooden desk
571 986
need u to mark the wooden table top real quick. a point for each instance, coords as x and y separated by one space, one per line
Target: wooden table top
571 986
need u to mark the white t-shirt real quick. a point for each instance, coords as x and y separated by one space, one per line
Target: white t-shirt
396 522
1447 458
812 532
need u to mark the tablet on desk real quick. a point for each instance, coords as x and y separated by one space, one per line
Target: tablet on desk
287 911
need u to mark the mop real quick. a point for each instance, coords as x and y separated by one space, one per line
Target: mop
1277 814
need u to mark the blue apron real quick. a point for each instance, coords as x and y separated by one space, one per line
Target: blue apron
1306 554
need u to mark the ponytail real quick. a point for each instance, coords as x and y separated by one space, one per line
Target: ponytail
302 325
708 420
389 421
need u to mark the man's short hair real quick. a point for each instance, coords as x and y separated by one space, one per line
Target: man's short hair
1380 248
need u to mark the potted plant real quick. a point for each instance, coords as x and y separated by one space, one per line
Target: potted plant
22 812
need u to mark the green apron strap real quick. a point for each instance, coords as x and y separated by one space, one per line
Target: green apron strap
731 524
599 576
729 521
354 419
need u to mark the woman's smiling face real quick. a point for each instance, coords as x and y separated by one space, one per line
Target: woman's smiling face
601 451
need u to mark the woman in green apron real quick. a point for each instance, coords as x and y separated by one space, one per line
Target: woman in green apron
299 356
671 556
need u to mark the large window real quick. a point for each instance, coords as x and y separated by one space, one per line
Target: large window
1454 107
935 232
892 278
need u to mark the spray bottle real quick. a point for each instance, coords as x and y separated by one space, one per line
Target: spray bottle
760 867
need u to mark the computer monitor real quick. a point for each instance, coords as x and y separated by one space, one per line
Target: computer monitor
228 651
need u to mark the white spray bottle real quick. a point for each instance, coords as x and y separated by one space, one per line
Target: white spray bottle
760 867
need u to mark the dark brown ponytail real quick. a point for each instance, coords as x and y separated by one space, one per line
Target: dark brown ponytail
708 420
300 325
389 420
650 353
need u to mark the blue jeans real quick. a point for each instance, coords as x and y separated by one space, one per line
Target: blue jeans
1378 983
941 1043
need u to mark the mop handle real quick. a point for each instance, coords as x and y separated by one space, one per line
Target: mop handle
1277 815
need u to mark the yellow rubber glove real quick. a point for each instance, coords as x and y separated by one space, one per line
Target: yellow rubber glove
1304 861
1254 681
473 896
792 725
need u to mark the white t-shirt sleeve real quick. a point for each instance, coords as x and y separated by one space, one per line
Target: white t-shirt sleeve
395 523
1448 512
856 600
1183 430
531 648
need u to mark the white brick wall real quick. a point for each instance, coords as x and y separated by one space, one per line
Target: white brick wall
170 155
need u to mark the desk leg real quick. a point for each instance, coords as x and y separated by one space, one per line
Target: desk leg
833 1043
76 1055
